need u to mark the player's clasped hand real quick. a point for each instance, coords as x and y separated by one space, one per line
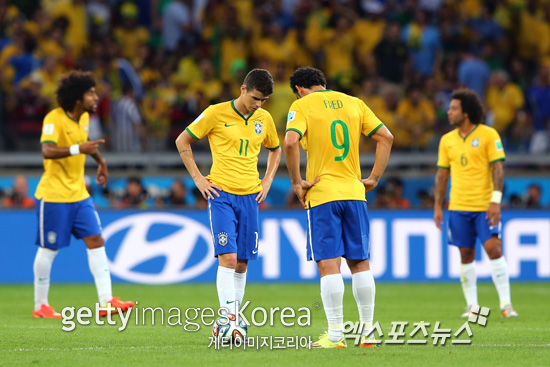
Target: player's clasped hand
369 183
493 214
301 189
438 218
207 188
91 146
265 190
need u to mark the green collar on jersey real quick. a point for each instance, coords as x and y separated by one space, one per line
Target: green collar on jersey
240 114
465 137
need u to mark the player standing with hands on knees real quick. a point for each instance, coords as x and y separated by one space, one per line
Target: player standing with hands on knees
329 125
472 154
236 131
64 206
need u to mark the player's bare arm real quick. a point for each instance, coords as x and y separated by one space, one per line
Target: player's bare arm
441 180
52 151
384 141
493 213
273 160
207 188
292 157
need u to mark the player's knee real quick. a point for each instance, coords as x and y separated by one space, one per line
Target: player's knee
228 260
467 256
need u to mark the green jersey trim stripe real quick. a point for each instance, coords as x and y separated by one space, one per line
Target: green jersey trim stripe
470 133
496 160
323 90
277 147
48 141
240 114
190 133
298 131
66 113
438 166
376 129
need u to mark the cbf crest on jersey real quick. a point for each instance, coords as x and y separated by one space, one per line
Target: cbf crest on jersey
475 143
258 126
222 238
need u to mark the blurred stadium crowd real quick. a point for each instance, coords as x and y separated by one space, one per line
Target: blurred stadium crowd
159 63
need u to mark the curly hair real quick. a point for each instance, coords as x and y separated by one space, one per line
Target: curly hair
260 80
72 88
307 77
470 104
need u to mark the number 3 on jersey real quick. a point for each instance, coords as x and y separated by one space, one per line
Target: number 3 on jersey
334 137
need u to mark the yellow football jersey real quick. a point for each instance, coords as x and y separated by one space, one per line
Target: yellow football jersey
469 160
331 124
235 143
63 178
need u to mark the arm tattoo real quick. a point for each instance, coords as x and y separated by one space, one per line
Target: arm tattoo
185 150
376 178
498 175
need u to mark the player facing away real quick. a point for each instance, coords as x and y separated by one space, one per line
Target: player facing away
64 206
236 131
329 125
472 154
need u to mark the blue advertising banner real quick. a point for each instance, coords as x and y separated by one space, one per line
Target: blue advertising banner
163 247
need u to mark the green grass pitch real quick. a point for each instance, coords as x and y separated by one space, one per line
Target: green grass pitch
39 342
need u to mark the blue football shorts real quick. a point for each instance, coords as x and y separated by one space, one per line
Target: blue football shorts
338 228
57 221
465 227
234 222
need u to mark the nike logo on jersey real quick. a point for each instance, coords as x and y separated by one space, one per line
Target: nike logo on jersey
69 132
228 302
254 252
229 125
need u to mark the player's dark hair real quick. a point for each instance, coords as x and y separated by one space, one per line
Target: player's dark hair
470 103
72 88
260 80
307 77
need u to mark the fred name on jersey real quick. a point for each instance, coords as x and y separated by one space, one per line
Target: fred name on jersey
333 105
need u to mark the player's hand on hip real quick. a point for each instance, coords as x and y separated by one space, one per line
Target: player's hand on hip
301 189
266 185
102 176
438 218
91 146
369 183
493 214
207 188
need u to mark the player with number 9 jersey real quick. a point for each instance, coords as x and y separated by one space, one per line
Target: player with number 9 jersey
332 119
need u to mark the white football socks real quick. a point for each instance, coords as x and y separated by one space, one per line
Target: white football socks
468 279
42 268
332 294
97 260
225 282
240 284
501 278
364 291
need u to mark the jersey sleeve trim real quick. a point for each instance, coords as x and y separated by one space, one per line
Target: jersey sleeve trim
298 131
277 147
438 166
190 133
496 160
48 141
375 129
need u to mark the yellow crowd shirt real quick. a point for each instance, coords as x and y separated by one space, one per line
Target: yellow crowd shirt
330 124
469 160
235 143
63 178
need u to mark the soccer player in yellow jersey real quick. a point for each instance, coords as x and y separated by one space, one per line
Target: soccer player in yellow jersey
329 125
64 206
236 131
473 156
